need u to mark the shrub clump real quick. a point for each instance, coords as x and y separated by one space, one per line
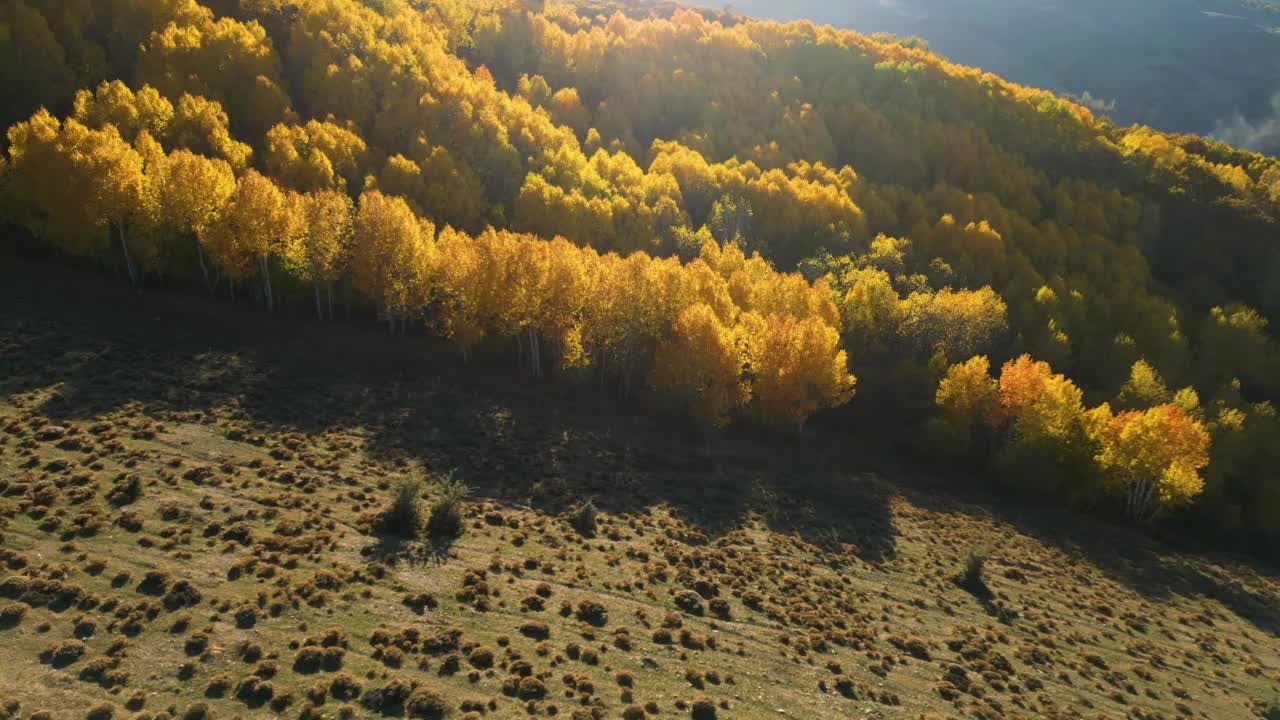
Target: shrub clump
973 575
308 660
689 601
104 671
124 491
420 602
196 645
388 699
62 654
254 691
590 611
704 708
218 685
404 516
246 616
481 657
445 520
12 614
531 688
426 703
536 630
345 687
583 518
720 608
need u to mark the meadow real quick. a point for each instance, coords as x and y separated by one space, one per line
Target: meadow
192 507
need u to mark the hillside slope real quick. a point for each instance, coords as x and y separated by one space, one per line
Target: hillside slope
187 499
623 254
732 220
1185 66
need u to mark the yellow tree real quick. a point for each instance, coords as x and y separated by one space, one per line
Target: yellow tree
961 322
402 177
1234 343
316 156
452 191
620 319
458 273
699 367
1151 459
202 126
1049 448
325 242
257 223
1044 404
191 191
392 257
44 188
117 185
113 103
519 296
1144 389
1022 381
967 397
869 309
566 109
495 295
74 186
796 367
232 62
564 294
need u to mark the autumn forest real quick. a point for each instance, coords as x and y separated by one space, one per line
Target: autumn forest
737 222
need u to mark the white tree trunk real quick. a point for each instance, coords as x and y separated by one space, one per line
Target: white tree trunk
535 354
128 261
263 262
204 268
1140 499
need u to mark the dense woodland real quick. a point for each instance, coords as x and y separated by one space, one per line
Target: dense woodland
732 218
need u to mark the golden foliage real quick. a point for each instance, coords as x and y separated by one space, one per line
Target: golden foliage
936 212
700 367
1151 458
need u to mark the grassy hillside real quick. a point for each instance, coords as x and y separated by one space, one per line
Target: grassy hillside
189 498
623 259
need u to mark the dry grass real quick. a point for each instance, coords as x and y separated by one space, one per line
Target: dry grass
190 518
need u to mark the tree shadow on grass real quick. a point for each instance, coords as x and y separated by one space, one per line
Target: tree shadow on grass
393 549
74 347
1157 571
1153 569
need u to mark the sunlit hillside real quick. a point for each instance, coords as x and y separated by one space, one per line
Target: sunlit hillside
541 285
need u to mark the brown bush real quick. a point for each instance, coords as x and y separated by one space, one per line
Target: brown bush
426 703
64 653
